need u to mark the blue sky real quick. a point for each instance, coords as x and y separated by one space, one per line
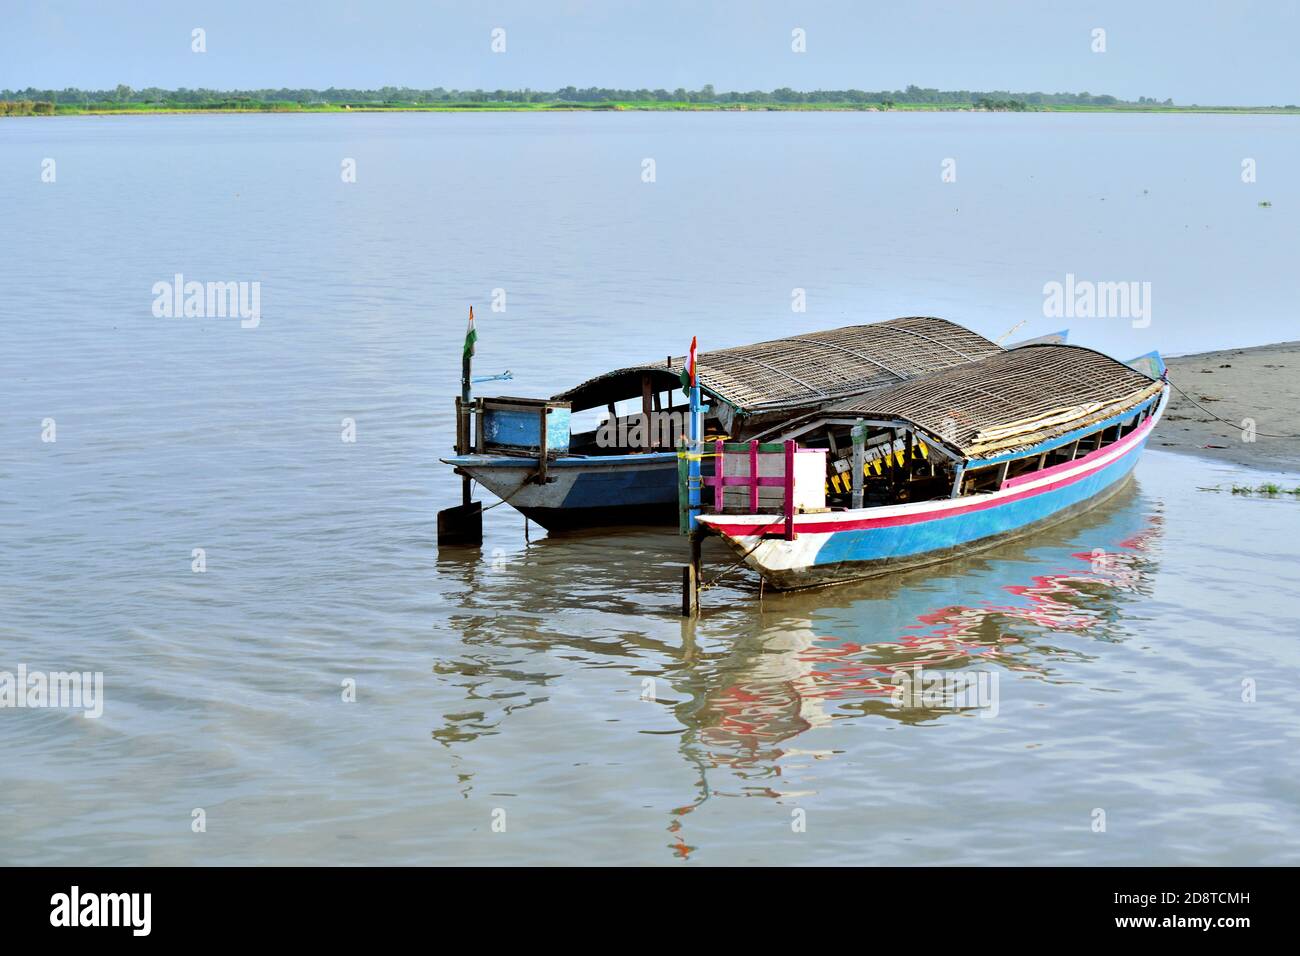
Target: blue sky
1195 51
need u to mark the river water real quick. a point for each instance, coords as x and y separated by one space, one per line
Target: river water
543 702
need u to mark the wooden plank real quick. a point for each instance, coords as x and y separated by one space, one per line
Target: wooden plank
719 474
690 591
541 454
859 462
462 429
790 447
683 511
647 407
691 577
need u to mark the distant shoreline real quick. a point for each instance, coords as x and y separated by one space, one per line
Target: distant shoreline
656 107
123 100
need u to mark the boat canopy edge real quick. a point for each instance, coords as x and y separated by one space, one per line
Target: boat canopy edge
805 371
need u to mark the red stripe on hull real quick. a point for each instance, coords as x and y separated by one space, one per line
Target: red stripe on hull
1067 465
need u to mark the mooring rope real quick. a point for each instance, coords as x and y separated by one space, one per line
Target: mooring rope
763 529
1236 425
505 499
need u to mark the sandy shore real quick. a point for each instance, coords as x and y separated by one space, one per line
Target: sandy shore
1261 383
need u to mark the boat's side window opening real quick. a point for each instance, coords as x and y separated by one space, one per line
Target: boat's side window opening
1061 454
980 480
583 426
1023 466
990 478
1129 426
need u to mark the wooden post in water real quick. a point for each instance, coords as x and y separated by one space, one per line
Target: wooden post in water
466 366
691 577
463 524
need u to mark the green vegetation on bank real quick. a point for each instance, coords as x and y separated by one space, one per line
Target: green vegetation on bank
123 99
26 108
1268 489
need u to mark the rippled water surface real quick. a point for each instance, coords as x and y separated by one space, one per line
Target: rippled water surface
551 685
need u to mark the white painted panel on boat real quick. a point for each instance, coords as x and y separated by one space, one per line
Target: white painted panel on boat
810 479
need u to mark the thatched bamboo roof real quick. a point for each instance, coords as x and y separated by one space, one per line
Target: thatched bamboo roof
810 370
1009 401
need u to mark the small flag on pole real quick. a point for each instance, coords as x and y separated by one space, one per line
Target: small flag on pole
688 373
471 336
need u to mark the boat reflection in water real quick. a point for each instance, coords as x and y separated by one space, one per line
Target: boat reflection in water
747 680
867 652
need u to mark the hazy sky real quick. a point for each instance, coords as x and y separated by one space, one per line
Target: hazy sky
1195 51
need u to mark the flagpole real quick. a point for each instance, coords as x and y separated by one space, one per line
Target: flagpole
463 524
694 455
466 365
467 360
697 449
693 476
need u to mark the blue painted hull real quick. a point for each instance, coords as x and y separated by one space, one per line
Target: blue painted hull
582 492
845 546
942 534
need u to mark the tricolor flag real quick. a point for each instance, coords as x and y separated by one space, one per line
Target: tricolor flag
470 335
688 373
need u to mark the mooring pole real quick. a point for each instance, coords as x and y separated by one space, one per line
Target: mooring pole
691 577
691 573
466 374
693 474
463 524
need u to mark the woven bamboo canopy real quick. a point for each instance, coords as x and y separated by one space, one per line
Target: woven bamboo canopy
807 371
1010 401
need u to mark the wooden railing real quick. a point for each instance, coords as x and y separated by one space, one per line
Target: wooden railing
753 481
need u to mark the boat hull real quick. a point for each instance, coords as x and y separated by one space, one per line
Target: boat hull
851 545
582 492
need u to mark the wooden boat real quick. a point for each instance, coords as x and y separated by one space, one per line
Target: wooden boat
952 462
626 470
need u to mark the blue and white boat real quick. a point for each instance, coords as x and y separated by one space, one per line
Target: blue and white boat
625 471
947 464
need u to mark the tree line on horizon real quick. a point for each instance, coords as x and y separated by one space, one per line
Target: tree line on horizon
123 95
25 107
